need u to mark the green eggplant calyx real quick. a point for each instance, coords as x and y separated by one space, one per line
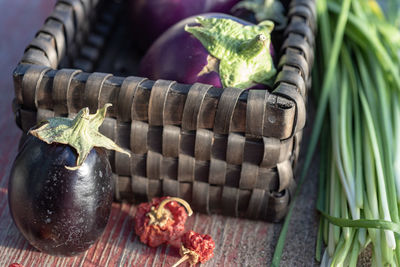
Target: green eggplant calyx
253 47
243 52
81 133
212 65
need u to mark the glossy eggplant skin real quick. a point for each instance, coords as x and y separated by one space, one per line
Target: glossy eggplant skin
60 211
150 18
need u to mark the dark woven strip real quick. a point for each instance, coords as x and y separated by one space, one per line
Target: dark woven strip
55 29
255 113
293 58
61 93
64 14
290 92
125 97
235 149
193 105
94 85
291 75
44 42
30 84
157 102
226 108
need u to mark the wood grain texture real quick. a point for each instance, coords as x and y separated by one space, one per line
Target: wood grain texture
239 242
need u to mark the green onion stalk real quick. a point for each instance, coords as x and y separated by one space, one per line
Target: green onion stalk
358 98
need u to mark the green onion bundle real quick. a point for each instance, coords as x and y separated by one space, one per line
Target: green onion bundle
357 85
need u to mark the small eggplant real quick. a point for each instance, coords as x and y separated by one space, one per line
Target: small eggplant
260 10
215 49
62 209
150 18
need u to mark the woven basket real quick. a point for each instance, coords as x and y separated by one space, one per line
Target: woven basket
224 150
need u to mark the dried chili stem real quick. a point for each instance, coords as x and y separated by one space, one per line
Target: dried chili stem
181 260
159 210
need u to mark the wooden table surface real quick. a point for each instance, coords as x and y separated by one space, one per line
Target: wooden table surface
239 242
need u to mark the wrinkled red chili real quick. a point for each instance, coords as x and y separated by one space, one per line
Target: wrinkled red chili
161 220
196 248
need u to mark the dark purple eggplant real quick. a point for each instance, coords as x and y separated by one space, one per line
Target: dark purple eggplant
215 49
60 208
150 18
259 10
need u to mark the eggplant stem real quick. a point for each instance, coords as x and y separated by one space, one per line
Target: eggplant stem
81 133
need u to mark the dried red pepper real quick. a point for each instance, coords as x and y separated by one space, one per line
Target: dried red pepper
196 248
15 265
161 220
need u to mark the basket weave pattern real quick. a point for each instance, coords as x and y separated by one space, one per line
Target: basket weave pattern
224 150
